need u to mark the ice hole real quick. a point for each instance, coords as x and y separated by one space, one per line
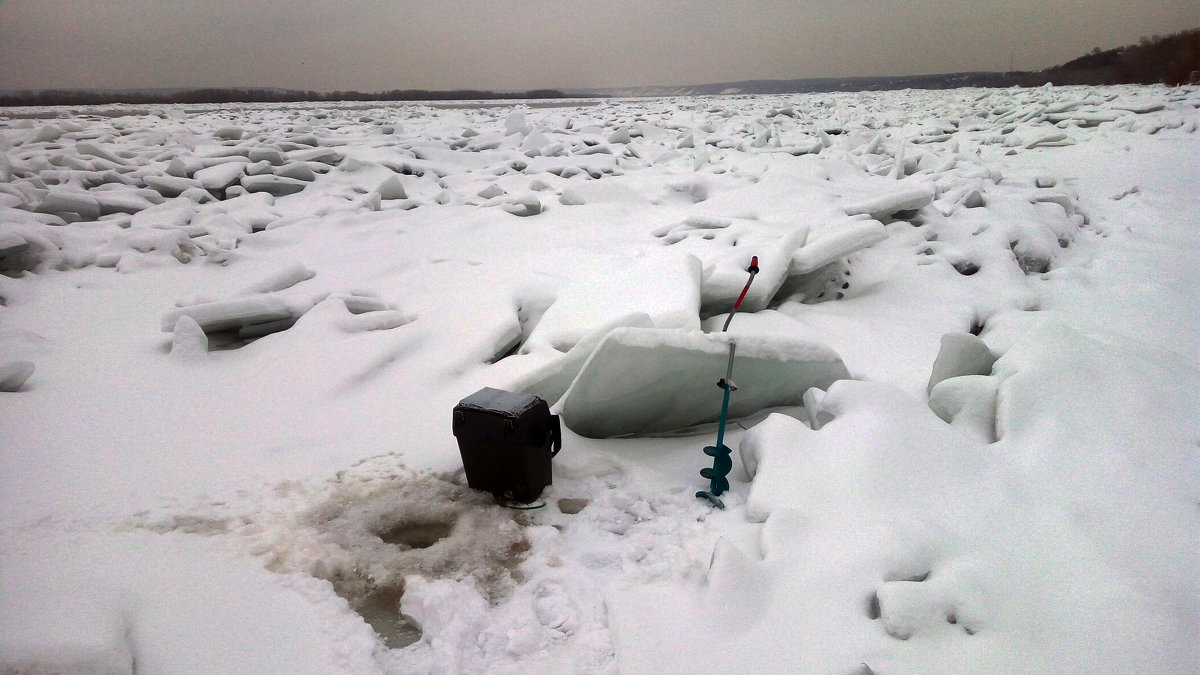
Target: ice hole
366 538
417 535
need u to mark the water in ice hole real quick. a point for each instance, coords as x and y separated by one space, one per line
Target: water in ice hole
380 606
417 535
381 611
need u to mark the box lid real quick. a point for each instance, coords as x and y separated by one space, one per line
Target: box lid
500 402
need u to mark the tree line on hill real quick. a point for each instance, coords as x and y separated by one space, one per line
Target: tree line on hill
1171 60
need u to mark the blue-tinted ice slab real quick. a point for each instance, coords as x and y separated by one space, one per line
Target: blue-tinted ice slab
646 380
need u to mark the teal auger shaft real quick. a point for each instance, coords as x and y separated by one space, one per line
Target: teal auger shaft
724 417
722 462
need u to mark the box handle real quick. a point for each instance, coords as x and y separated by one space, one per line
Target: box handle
555 435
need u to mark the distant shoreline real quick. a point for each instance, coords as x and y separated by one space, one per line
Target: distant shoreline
210 96
1170 60
137 110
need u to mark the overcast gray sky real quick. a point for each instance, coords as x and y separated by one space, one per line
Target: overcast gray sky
372 45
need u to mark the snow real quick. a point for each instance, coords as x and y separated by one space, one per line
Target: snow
123 607
968 401
231 339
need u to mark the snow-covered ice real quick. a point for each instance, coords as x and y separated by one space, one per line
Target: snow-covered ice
231 338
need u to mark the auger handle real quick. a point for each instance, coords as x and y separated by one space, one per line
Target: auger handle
752 269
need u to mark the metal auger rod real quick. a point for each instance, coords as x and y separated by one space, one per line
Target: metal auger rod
728 387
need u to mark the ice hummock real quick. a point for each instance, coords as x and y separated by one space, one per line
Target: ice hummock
646 381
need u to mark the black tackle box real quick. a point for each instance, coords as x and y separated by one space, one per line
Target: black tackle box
506 440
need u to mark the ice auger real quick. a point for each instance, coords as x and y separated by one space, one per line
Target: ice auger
722 463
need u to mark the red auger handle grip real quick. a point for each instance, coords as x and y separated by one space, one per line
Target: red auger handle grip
752 269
